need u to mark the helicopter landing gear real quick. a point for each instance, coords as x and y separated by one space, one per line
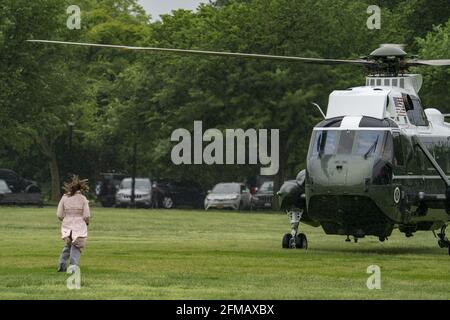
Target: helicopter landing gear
443 241
299 242
295 239
355 239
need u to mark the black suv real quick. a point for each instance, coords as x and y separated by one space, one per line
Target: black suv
167 193
18 184
22 191
108 186
263 197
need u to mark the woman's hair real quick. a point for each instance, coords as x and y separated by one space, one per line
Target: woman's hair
76 184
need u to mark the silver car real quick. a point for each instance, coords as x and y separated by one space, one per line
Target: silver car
142 191
228 195
4 188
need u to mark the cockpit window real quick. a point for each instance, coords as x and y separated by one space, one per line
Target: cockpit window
329 140
324 142
368 142
346 142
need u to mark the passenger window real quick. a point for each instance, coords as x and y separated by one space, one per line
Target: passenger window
429 165
419 114
398 151
414 111
446 154
441 159
388 150
407 102
419 159
435 151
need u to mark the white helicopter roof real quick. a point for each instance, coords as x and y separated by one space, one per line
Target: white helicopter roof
360 101
380 98
384 102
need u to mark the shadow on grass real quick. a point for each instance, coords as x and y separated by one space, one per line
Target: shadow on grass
387 251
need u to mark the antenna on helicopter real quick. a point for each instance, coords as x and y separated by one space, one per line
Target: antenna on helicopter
320 109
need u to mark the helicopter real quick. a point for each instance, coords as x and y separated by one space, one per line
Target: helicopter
378 160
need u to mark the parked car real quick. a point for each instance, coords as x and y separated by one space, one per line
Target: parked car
16 190
264 196
170 193
107 188
18 184
229 195
142 191
4 188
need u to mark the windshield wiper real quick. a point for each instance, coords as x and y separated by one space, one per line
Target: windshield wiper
372 148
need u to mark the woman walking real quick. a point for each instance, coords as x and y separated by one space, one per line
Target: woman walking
73 211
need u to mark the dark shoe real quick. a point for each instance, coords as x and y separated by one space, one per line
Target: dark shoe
62 267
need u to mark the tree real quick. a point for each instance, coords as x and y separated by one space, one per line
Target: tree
436 45
53 85
119 98
32 79
172 91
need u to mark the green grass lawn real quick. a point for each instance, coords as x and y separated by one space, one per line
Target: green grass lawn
176 254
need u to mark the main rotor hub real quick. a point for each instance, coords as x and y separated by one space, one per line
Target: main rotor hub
389 50
389 60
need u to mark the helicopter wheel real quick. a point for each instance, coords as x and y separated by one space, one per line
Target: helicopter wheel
286 242
441 244
443 241
301 242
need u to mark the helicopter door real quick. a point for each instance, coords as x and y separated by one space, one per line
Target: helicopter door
416 169
432 181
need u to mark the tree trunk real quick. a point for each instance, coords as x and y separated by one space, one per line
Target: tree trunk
54 172
48 150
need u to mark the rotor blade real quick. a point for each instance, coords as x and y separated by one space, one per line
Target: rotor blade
437 63
215 53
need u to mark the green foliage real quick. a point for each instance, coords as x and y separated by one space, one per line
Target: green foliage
436 45
117 98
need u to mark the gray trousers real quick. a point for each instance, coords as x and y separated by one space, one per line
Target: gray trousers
70 252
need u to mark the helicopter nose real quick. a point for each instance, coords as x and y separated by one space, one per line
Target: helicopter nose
341 176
